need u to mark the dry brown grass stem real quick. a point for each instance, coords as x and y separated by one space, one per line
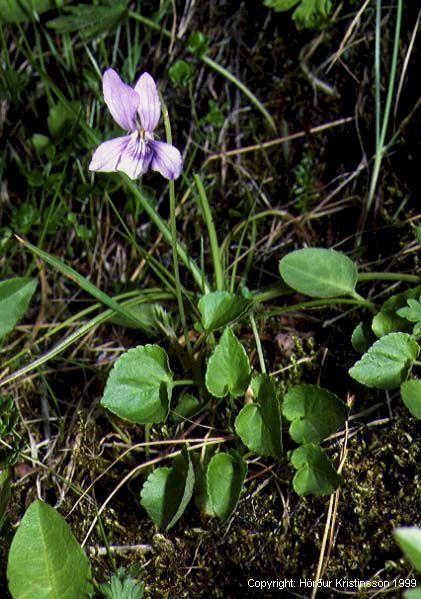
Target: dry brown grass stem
348 34
142 548
406 62
280 140
331 514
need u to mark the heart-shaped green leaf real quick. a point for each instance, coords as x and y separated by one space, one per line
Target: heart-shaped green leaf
388 320
314 413
362 337
411 396
15 295
181 73
148 318
221 308
387 363
202 499
409 540
259 424
45 560
224 478
315 473
167 491
228 370
139 386
187 407
412 311
318 272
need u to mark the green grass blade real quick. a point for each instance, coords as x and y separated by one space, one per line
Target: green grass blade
86 285
213 240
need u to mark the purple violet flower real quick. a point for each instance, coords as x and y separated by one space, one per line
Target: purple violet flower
137 110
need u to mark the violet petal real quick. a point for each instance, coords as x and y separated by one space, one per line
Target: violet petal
107 156
121 100
149 108
166 159
136 157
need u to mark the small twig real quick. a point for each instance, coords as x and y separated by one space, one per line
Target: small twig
331 513
406 63
281 140
96 550
305 55
348 34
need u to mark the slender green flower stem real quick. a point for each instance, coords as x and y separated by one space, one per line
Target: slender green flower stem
179 291
388 276
321 303
362 300
213 240
161 272
380 142
173 229
281 289
272 293
258 344
377 83
183 382
210 63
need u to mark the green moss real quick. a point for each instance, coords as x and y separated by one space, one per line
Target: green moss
276 534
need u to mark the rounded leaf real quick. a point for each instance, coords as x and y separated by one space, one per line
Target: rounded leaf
319 272
167 491
411 396
187 407
154 498
412 311
388 320
387 363
362 337
220 308
259 424
45 560
228 370
224 479
409 540
315 473
139 386
15 295
315 413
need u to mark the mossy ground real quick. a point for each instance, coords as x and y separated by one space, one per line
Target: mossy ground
277 535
